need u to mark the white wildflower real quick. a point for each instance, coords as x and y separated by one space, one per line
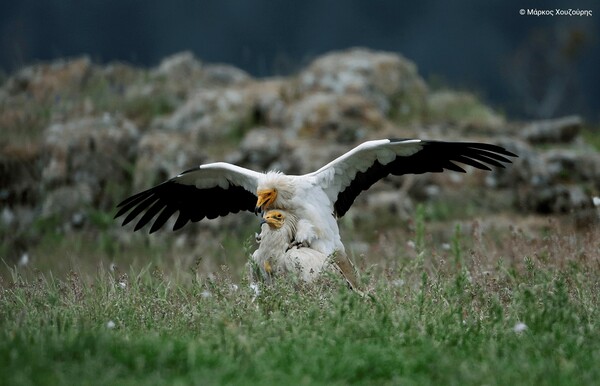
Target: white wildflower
519 327
446 246
398 283
254 287
110 325
491 181
8 216
205 294
411 244
434 190
596 201
24 260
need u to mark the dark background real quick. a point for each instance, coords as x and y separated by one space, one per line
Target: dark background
526 66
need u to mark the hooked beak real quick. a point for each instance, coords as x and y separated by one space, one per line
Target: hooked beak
258 211
266 198
274 219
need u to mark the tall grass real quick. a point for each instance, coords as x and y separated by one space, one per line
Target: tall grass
476 312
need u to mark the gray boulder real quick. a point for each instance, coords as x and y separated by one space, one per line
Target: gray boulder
90 151
335 117
561 130
389 80
162 155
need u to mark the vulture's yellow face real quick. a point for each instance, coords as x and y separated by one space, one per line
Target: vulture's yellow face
274 218
266 199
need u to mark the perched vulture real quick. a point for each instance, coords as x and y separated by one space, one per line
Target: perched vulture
317 199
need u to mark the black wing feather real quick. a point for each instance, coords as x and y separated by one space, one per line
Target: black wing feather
472 162
141 206
149 215
434 157
131 202
192 203
163 217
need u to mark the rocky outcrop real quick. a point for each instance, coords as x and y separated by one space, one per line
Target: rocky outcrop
20 172
162 155
550 181
83 163
463 111
78 137
91 151
335 117
561 130
388 80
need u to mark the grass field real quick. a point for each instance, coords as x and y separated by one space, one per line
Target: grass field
499 305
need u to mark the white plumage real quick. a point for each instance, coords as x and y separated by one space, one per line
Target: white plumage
316 199
278 254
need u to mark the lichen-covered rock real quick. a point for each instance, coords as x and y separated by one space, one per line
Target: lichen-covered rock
162 155
573 166
389 80
560 130
91 151
68 202
463 110
226 113
306 156
185 70
223 75
553 181
178 75
261 149
210 114
528 169
46 81
545 168
180 66
19 175
558 198
270 102
335 117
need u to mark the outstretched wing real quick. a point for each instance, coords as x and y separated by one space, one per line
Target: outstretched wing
347 176
209 191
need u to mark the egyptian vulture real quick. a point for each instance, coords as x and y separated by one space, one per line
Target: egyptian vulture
317 199
278 254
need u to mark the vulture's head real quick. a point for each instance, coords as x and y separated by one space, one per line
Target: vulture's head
274 218
280 221
275 190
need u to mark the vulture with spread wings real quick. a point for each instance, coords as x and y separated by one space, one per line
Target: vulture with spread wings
317 199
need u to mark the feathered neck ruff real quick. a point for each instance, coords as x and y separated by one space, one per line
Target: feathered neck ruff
284 185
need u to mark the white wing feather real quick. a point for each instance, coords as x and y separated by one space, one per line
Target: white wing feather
220 174
339 173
